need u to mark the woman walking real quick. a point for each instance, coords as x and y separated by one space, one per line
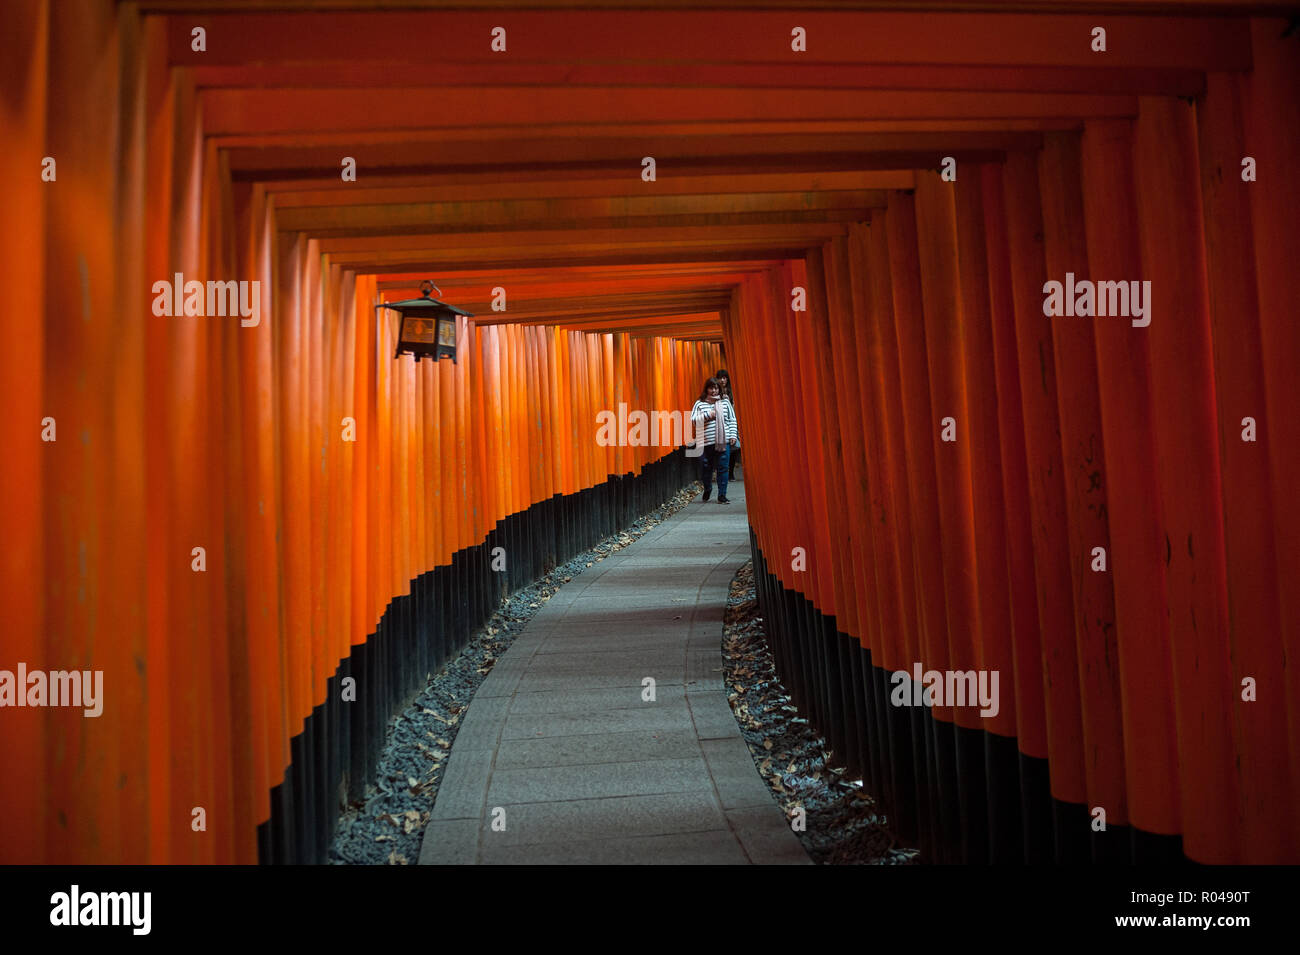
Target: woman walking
714 415
724 384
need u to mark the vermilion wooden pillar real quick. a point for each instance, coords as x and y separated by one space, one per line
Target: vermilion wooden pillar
158 262
297 348
219 842
142 57
1173 256
828 441
292 342
1136 555
617 394
775 380
255 499
592 394
994 650
982 432
802 419
864 467
807 423
790 523
886 401
509 401
191 396
912 799
920 427
744 329
937 241
452 510
837 401
24 60
1269 827
1011 804
1047 509
470 523
772 312
79 307
1085 483
775 302
317 371
545 412
918 423
434 432
245 753
866 742
1030 725
889 510
1272 133
843 725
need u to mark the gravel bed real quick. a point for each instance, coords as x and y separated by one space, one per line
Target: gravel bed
843 823
388 826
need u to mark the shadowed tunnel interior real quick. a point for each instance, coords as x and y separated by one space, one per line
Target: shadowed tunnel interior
235 503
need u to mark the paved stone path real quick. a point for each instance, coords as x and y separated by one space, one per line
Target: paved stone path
559 745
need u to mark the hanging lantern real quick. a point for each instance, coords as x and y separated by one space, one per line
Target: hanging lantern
428 326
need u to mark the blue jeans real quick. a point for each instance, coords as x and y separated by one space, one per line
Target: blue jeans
715 460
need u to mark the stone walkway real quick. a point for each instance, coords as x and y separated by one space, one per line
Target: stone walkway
560 758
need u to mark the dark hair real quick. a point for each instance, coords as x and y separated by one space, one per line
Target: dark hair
722 373
709 383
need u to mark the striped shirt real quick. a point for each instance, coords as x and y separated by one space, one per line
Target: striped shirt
708 431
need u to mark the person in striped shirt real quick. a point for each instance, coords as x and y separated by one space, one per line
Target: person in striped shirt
724 382
715 424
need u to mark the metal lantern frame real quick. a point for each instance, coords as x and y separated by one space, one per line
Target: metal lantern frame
426 327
